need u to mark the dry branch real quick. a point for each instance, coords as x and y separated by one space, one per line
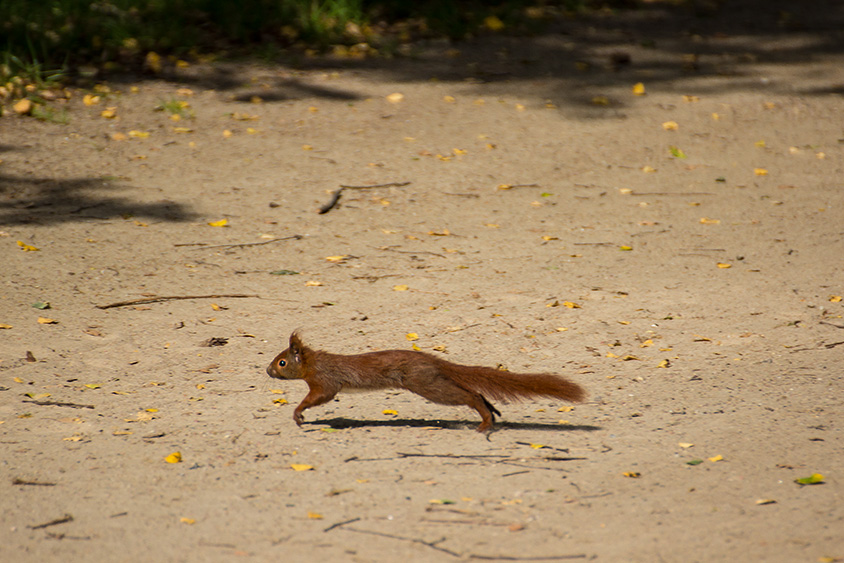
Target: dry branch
176 297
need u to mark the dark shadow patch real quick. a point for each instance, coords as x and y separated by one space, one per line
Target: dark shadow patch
42 201
345 423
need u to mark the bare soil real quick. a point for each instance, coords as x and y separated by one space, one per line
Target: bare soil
694 291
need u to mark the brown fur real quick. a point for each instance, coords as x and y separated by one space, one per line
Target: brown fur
431 377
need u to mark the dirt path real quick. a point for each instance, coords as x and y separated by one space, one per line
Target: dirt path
695 291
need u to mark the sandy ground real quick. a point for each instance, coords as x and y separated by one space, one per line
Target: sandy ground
698 300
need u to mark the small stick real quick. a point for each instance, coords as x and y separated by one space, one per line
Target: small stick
409 251
64 519
431 544
536 558
831 324
388 185
60 404
455 456
176 297
335 197
338 524
203 246
19 481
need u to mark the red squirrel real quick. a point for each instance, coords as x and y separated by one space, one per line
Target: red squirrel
431 377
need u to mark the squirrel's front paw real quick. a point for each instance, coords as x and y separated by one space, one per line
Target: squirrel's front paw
298 418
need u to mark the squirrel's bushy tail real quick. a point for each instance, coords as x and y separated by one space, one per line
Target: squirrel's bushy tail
508 386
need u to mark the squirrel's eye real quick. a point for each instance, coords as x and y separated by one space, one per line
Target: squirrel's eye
282 363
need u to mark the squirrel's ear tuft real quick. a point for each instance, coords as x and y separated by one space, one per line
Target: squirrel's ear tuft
296 342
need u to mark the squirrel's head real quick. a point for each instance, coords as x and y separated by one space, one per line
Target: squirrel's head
288 364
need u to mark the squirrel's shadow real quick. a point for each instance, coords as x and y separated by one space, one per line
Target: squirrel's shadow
343 423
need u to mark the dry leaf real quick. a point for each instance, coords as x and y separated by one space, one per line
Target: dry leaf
401 287
5 326
724 265
90 99
220 223
175 457
301 467
47 321
314 515
109 113
670 126
27 248
708 221
760 171
395 98
313 283
411 336
685 445
716 458
632 474
570 305
639 89
138 134
188 521
390 412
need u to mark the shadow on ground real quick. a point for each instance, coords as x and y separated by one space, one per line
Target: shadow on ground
35 200
342 423
668 45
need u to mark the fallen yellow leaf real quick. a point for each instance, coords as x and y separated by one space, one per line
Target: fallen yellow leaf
47 321
401 287
570 305
716 458
138 134
90 100
175 457
835 299
708 221
188 521
390 412
411 336
639 89
220 223
670 126
760 171
724 265
632 474
109 113
301 467
27 248
338 258
395 98
314 515
685 445
313 283
280 401
538 446
4 326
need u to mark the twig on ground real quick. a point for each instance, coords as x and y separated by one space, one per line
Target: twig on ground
338 524
176 297
59 404
391 249
527 558
455 456
64 519
431 544
831 324
19 481
204 246
335 197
